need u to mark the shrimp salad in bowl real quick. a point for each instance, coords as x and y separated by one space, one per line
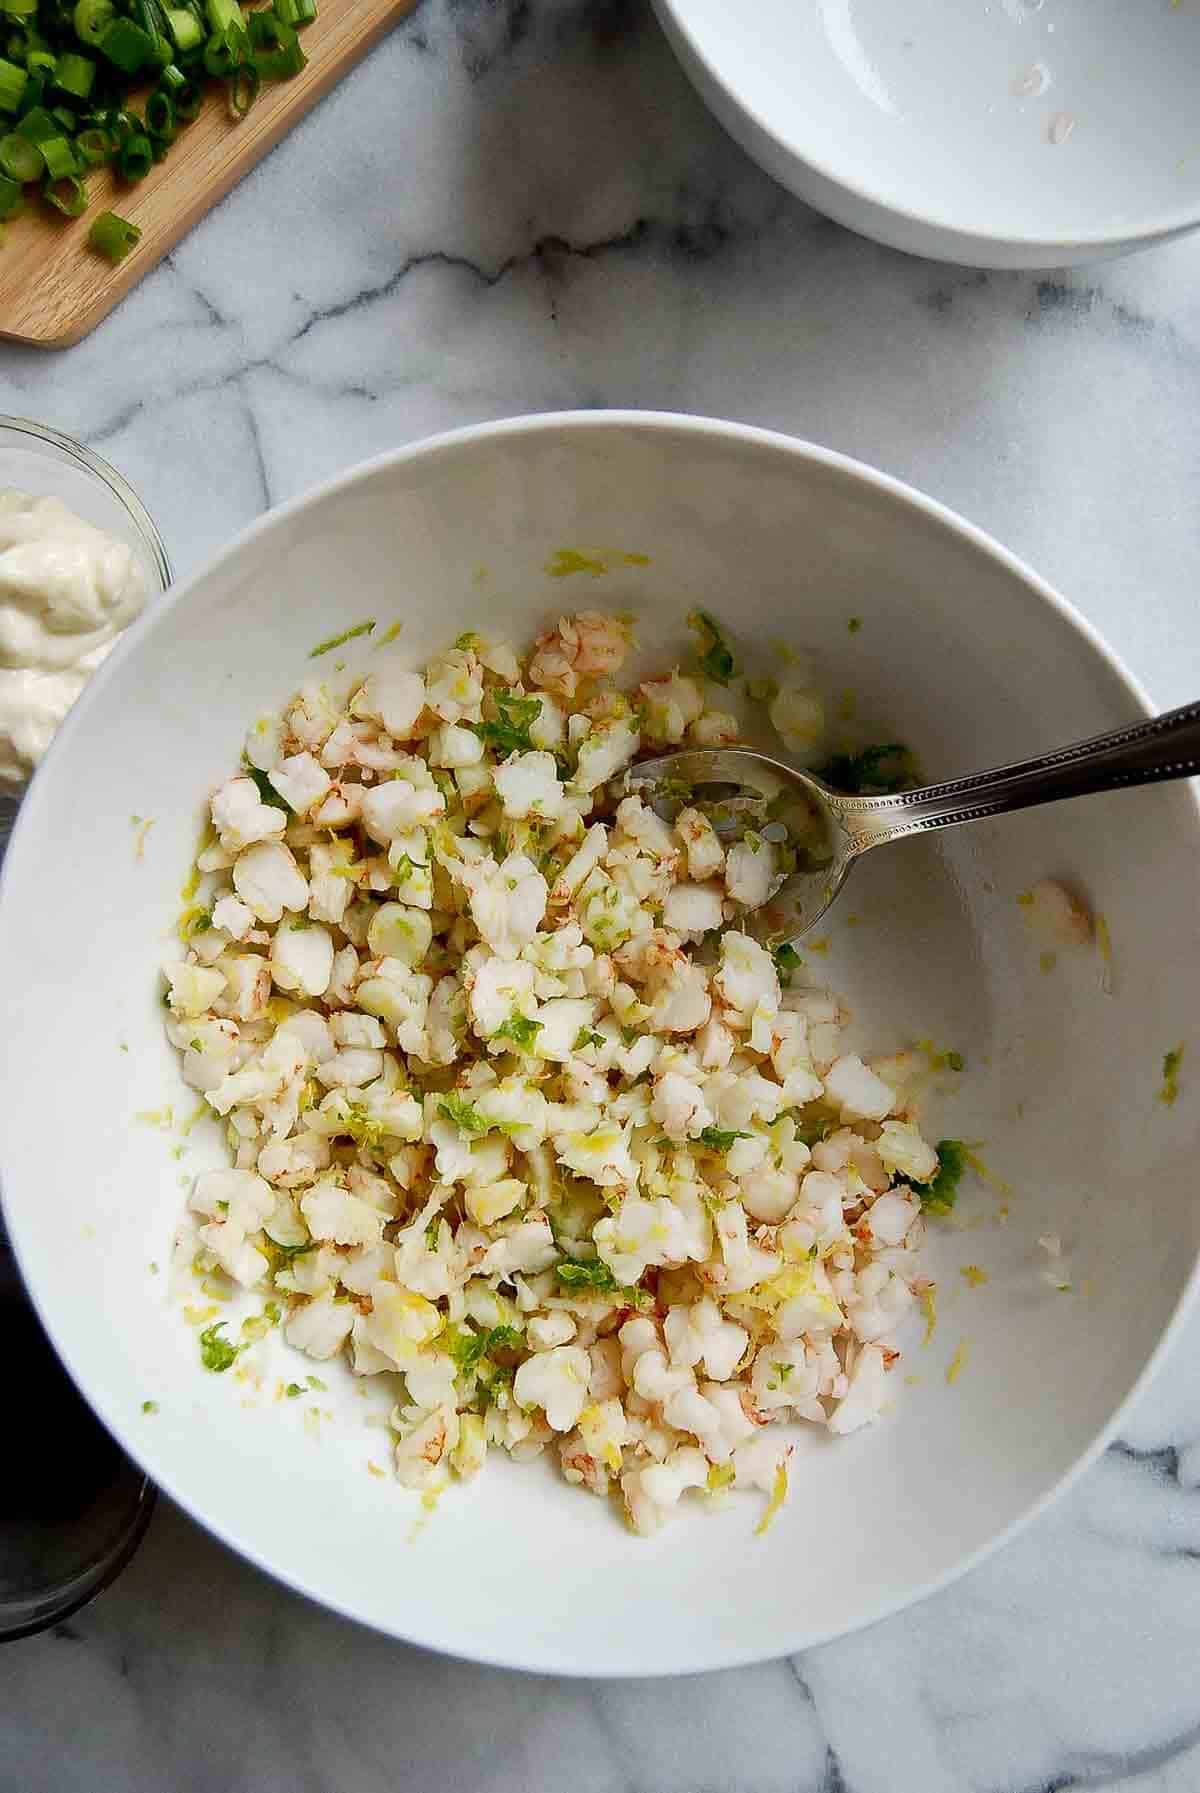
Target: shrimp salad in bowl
519 1115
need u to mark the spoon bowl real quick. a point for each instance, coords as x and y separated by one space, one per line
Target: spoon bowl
825 831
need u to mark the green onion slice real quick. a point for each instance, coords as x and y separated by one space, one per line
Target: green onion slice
113 236
91 19
187 33
128 46
13 83
75 74
59 157
188 101
67 194
135 158
160 115
20 159
242 89
94 147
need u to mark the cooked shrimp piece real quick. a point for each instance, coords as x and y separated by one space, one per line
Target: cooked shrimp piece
587 646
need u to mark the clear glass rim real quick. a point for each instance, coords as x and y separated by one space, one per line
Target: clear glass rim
117 484
39 1611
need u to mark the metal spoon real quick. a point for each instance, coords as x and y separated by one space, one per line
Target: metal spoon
737 787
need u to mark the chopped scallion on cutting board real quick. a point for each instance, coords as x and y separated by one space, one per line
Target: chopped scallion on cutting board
72 78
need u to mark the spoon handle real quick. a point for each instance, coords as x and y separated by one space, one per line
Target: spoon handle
1145 753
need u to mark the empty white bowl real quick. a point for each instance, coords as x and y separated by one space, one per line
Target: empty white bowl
1010 134
961 652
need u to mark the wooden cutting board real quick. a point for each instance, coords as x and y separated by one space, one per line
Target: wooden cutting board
54 289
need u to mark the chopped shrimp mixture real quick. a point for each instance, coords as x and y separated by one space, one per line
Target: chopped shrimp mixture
516 1108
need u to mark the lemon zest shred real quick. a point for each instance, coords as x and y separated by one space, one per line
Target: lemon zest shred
1169 1090
971 1154
779 1492
1103 938
565 561
185 1127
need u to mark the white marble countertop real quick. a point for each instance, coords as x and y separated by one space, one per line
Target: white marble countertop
517 205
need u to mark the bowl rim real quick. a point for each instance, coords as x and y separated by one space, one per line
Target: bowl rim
676 17
96 467
703 1656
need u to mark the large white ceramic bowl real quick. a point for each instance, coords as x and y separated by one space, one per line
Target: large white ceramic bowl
963 653
1004 134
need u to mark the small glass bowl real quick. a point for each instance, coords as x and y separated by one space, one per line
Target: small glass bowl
43 461
34 458
74 1515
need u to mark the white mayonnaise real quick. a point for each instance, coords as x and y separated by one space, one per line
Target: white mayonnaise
67 589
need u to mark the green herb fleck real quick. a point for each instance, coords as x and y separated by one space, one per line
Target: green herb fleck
814 1126
293 1390
361 1128
574 1273
288 1252
327 647
673 789
464 1114
719 1139
565 561
1169 1092
586 1037
488 1392
468 1348
468 640
875 772
941 1192
956 1061
149 1406
520 1030
716 657
314 1382
854 625
509 733
216 1353
257 1326
267 791
787 960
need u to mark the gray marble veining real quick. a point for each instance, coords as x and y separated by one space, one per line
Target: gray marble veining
518 205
